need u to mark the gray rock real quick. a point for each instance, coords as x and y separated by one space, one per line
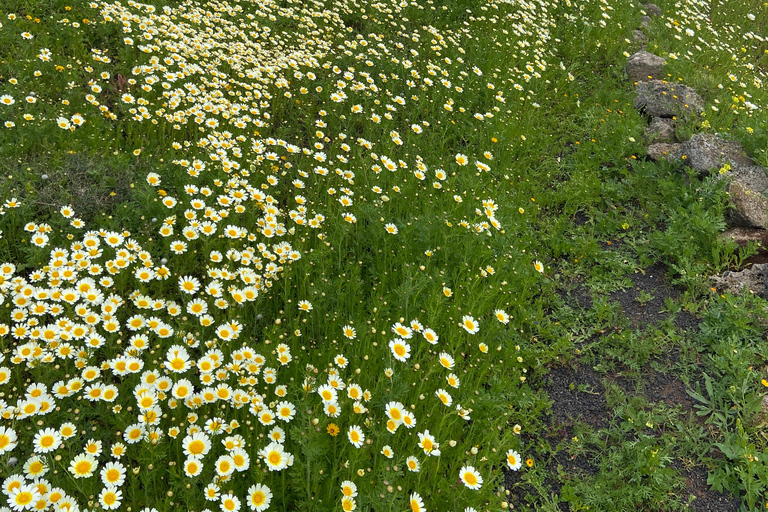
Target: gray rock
661 99
749 208
753 278
704 151
638 37
645 21
642 65
751 177
660 130
662 151
652 9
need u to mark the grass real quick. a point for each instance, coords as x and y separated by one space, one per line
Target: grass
339 256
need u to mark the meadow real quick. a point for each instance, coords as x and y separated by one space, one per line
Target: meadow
346 255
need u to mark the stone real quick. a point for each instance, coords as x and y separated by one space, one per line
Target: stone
754 278
662 151
751 177
657 98
642 64
639 37
749 208
705 151
652 9
660 130
645 21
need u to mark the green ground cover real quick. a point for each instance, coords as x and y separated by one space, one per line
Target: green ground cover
377 256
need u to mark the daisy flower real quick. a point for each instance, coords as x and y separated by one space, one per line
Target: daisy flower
444 397
275 456
35 467
348 504
225 465
110 497
285 411
356 436
46 440
327 393
240 457
93 447
428 444
305 305
230 503
178 247
23 497
470 324
118 450
401 330
395 411
259 497
446 360
188 284
349 332
539 266
431 336
211 492
409 420
412 463
471 477
387 451
400 350
66 211
113 473
266 417
332 409
391 229
66 430
83 466
501 316
196 445
348 488
417 504
193 466
514 462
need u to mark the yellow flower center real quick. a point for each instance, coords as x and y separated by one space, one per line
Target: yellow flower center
196 447
83 467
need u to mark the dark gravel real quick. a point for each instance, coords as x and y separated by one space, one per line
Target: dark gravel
572 404
650 281
708 500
